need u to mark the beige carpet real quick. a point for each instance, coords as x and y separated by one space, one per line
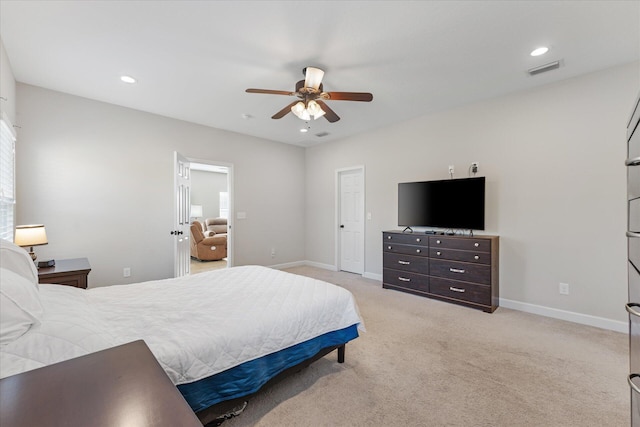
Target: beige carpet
428 363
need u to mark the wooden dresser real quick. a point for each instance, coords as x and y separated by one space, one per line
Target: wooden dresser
457 269
633 261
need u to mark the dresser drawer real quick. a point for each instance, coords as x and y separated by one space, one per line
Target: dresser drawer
635 400
468 272
406 238
406 249
634 248
633 165
406 263
456 255
634 284
634 215
634 335
459 290
466 244
405 279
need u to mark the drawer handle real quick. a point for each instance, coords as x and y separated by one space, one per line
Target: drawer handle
456 270
438 253
632 308
404 262
389 237
632 384
404 279
632 234
418 251
438 241
418 239
476 244
451 288
476 257
389 247
632 162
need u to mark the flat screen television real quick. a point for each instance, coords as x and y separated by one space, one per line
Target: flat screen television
449 203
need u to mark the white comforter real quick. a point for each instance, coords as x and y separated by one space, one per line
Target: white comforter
196 326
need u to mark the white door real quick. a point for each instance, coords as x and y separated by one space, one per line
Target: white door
351 220
181 207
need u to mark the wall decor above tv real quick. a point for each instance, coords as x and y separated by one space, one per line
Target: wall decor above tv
450 203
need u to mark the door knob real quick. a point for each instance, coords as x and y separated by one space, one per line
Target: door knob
341 225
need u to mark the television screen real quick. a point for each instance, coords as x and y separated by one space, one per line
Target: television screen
450 203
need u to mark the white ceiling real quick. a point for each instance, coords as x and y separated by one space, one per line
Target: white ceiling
194 59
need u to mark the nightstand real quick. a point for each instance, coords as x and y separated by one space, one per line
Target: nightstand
70 272
119 386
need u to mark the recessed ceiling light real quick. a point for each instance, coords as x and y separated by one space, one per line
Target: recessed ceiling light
539 51
303 130
127 79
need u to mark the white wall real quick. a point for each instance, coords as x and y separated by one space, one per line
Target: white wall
205 191
556 186
7 86
100 177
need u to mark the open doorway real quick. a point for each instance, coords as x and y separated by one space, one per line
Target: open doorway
211 205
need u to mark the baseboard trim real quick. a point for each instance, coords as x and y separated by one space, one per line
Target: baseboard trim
570 316
366 275
320 265
288 265
372 276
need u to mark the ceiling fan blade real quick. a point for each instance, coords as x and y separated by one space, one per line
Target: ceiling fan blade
271 92
280 114
348 96
329 114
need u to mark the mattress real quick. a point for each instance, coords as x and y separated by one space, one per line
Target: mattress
196 326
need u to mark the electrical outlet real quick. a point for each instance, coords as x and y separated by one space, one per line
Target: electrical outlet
126 272
475 166
273 252
451 169
563 288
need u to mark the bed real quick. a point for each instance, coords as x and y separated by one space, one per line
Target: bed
220 336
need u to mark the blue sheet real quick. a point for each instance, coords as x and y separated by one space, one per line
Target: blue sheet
248 377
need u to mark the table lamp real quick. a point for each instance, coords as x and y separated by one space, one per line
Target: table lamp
30 236
196 211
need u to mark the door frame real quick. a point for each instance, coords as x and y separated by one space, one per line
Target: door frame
230 220
337 252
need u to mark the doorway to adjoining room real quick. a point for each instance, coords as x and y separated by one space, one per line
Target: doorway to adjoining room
210 207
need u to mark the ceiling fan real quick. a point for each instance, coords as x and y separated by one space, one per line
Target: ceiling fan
311 97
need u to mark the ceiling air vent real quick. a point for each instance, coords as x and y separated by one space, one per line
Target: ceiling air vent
543 68
321 134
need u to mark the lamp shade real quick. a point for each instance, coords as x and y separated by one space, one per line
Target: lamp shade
313 77
196 211
30 235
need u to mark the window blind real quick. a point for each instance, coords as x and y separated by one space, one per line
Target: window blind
7 179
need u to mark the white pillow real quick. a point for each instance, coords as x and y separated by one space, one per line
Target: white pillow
18 260
20 306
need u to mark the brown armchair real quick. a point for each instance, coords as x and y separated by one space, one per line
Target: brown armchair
207 248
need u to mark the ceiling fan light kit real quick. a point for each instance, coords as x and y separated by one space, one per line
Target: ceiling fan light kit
312 96
305 112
